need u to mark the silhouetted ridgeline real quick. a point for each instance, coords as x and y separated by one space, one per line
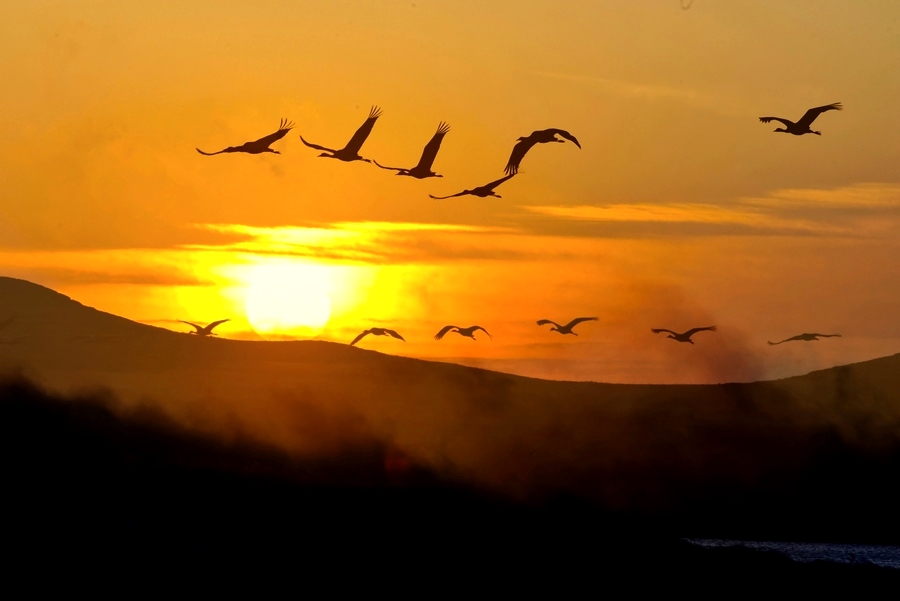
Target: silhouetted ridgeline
88 485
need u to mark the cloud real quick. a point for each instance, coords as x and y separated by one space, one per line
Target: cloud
859 210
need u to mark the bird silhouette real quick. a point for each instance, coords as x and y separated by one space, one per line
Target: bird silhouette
805 338
350 152
802 126
566 329
204 330
257 146
423 169
377 332
684 336
537 137
467 332
481 191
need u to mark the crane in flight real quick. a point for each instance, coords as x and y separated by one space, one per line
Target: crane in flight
377 332
467 332
481 191
423 169
805 338
537 137
684 336
204 330
566 329
257 146
802 126
350 152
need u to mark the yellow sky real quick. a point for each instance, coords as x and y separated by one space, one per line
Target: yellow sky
681 209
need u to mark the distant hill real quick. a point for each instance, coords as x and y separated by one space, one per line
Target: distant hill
814 455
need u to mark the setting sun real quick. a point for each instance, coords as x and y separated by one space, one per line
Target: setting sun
288 300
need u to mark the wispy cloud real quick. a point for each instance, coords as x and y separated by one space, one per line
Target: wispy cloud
862 209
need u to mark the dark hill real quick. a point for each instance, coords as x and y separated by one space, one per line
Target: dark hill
811 457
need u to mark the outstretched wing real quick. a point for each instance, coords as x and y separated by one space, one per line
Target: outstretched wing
496 183
476 328
578 320
566 135
209 328
785 121
431 149
443 331
395 335
360 336
316 146
693 331
463 193
196 327
518 153
391 168
363 132
661 330
810 115
283 128
543 322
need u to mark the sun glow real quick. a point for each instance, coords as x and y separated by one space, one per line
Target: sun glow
288 300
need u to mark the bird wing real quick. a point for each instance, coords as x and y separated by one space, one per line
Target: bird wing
810 115
363 132
476 328
543 322
496 183
360 337
826 335
431 149
578 320
785 121
196 327
518 153
566 135
443 331
463 193
395 335
693 331
283 128
661 330
391 168
316 146
209 327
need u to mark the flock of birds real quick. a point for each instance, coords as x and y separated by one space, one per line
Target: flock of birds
424 169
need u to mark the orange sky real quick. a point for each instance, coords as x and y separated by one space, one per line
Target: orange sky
681 210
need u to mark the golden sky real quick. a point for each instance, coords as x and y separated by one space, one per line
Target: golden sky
681 209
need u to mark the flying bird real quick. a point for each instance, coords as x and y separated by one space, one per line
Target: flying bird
423 169
802 126
537 137
467 332
204 331
258 146
566 329
684 336
481 191
805 338
377 332
350 152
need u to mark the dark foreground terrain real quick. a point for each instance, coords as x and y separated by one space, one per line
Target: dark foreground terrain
100 489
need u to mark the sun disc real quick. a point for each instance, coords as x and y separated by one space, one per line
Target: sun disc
288 300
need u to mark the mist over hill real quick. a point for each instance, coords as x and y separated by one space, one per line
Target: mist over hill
810 458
